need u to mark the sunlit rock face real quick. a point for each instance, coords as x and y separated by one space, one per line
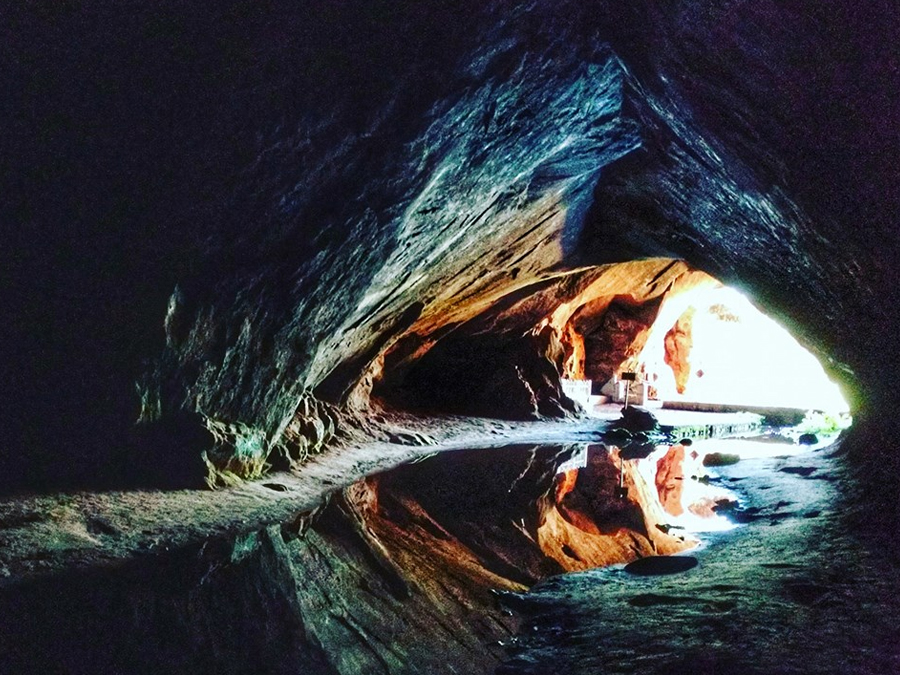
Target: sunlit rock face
223 218
678 345
508 361
711 345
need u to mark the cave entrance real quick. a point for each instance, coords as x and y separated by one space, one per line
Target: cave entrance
709 348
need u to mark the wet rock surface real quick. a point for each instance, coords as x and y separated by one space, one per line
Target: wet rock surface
720 459
793 590
49 534
362 584
400 572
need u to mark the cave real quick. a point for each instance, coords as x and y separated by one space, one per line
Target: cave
372 337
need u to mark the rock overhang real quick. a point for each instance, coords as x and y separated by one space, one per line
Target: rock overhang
360 202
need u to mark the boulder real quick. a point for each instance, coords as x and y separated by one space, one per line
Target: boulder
720 459
637 419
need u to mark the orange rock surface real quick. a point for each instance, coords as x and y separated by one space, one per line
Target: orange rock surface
670 480
678 343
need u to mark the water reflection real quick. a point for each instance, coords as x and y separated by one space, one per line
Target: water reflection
789 591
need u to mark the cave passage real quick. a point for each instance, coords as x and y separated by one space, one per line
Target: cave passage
665 334
602 282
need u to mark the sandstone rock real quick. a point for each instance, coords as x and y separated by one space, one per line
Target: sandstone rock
410 438
218 221
705 507
670 480
637 419
507 360
615 335
678 344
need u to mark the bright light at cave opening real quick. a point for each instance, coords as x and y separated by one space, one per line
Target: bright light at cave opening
712 345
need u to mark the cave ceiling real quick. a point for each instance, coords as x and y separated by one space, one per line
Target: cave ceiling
224 213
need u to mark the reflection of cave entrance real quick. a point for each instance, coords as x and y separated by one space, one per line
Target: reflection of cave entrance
567 340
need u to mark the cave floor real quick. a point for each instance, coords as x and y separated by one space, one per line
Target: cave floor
792 590
44 533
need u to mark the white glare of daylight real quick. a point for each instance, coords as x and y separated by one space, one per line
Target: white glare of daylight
737 356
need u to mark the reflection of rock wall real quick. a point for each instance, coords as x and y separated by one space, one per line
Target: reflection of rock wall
678 343
587 525
512 512
396 574
330 599
670 480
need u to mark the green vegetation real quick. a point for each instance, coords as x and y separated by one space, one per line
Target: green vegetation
822 423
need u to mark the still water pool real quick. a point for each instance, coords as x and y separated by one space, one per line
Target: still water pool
788 590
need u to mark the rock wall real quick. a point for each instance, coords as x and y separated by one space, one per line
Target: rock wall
239 207
323 599
215 215
777 118
508 360
678 343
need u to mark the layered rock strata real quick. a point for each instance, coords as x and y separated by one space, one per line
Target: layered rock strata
218 214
